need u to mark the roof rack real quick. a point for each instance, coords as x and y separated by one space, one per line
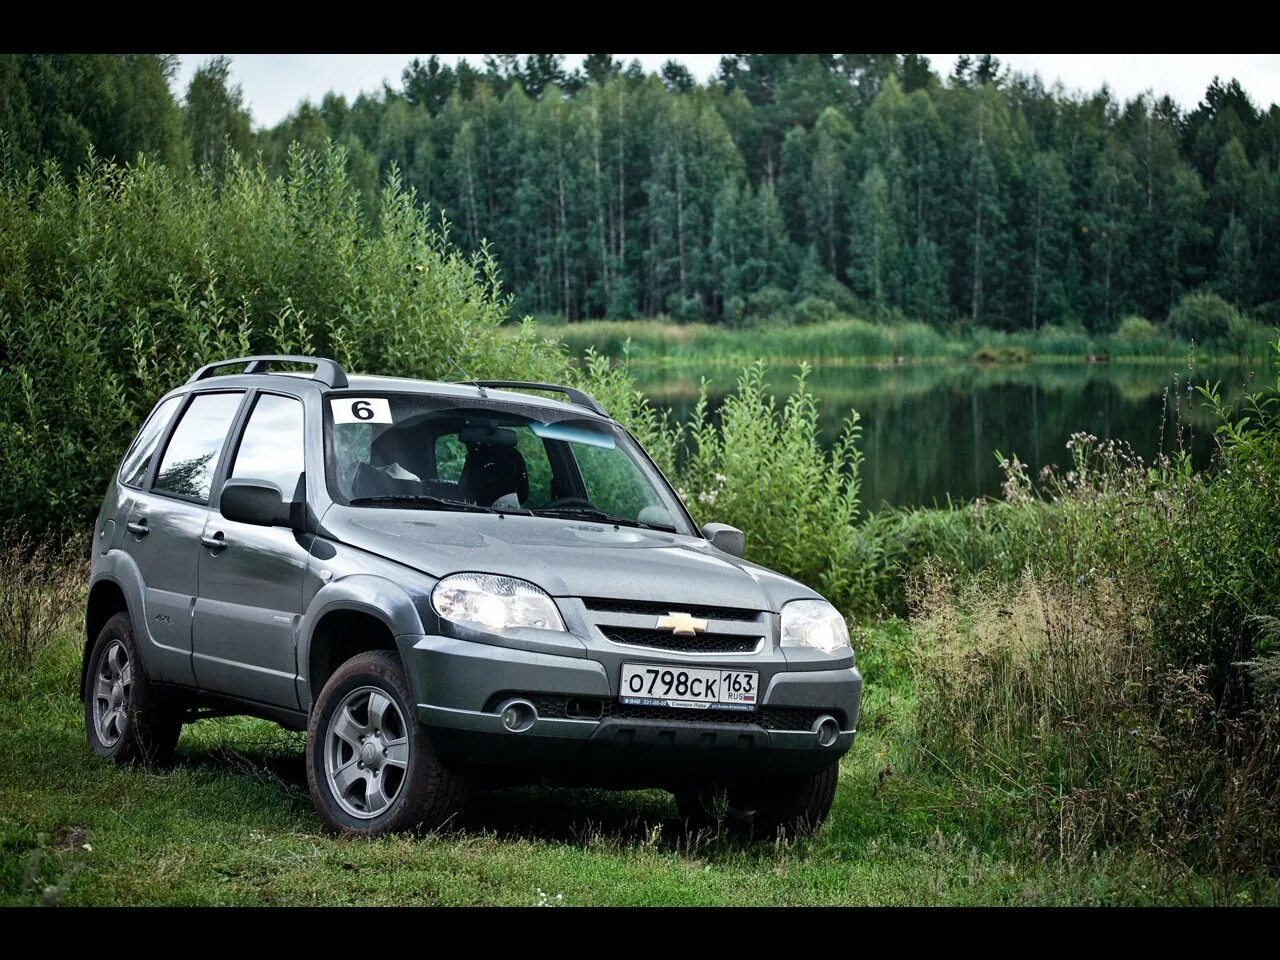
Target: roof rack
327 371
579 397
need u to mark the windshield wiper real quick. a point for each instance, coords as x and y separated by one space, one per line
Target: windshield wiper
427 502
593 514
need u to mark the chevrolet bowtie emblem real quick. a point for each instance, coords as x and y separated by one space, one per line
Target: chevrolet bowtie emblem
682 624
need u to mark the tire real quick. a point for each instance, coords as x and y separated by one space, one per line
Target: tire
371 768
791 806
124 719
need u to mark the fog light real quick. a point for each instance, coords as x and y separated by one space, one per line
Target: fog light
518 715
827 731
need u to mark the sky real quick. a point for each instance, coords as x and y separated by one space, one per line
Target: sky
274 84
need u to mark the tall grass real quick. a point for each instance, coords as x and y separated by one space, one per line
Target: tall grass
852 340
1061 726
42 587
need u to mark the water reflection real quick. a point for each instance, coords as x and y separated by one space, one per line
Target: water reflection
930 431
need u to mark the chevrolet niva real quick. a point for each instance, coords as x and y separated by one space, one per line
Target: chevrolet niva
447 585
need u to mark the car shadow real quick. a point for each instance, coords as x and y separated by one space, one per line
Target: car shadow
625 818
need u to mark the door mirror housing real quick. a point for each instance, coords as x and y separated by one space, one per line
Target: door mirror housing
724 537
255 501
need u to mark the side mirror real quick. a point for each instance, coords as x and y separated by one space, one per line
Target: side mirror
724 537
256 502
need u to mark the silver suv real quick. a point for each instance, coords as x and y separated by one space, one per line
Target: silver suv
448 585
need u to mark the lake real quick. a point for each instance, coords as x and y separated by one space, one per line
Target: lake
930 431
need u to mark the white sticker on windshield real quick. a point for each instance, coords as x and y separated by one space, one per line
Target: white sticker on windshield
361 410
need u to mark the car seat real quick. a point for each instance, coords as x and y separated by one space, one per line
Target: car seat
493 468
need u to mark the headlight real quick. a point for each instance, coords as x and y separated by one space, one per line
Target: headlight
494 603
815 624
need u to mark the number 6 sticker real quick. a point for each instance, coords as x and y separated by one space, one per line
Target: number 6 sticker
360 410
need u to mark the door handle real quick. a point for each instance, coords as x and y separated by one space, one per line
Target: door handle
216 542
138 527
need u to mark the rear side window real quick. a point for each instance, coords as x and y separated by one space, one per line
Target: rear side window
271 447
136 462
192 455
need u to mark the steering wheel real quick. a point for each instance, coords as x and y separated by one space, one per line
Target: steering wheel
571 502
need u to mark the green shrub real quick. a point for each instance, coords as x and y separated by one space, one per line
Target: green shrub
762 468
1134 327
812 310
115 286
1202 316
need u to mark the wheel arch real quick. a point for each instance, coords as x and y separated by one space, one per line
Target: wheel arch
106 599
349 617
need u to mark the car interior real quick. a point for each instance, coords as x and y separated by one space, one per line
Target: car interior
405 458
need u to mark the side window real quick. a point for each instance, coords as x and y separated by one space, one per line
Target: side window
271 445
137 461
450 456
192 455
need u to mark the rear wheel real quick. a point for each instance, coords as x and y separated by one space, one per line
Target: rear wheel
792 806
370 767
124 719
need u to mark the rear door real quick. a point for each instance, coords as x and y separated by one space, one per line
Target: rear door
164 518
250 594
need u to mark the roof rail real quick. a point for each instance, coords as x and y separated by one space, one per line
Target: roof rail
579 397
327 371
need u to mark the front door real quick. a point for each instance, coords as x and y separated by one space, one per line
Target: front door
250 598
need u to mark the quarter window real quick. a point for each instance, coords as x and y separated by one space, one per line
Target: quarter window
271 448
192 455
136 462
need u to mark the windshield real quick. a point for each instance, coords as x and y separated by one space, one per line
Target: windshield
410 451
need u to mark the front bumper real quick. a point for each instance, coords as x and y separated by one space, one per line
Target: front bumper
459 686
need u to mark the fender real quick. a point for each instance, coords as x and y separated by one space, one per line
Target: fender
162 663
369 594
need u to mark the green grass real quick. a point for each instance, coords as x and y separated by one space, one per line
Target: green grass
851 340
230 822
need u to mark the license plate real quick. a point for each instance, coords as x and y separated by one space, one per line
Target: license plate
694 688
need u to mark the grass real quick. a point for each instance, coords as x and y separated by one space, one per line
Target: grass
230 822
850 340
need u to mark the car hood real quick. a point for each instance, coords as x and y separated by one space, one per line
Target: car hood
567 558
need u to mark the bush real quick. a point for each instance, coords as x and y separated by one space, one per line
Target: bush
813 310
114 287
1202 316
1134 327
762 468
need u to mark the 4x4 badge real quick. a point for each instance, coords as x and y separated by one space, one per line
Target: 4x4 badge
682 624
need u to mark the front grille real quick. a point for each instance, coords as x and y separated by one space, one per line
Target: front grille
666 640
555 707
644 608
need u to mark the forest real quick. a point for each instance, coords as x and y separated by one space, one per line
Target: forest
793 187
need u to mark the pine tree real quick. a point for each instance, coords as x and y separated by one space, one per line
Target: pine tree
876 265
1044 250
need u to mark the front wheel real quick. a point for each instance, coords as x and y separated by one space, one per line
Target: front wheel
764 808
370 767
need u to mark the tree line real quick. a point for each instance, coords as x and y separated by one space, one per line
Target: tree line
788 185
